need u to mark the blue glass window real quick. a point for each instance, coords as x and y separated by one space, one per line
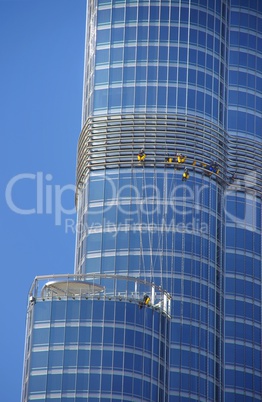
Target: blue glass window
101 76
163 34
41 336
153 33
103 16
94 380
174 14
116 54
71 334
103 36
102 56
117 35
57 335
39 359
183 35
84 334
117 14
100 99
94 242
114 97
141 73
95 360
154 13
72 312
173 34
115 75
98 309
143 13
54 382
55 358
43 311
163 51
130 34
140 96
107 360
118 360
129 74
70 358
142 33
129 339
96 335
108 335
130 54
131 14
153 53
106 382
161 101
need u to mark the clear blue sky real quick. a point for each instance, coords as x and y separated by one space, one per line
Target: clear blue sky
42 59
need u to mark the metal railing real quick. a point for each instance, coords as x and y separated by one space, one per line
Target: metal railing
100 286
109 141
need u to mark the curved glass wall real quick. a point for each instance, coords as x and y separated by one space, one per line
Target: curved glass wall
91 342
245 70
148 223
243 205
157 57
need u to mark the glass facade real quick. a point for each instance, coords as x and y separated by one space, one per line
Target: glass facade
242 346
157 57
67 339
168 191
90 342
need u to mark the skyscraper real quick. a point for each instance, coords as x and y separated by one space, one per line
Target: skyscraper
165 300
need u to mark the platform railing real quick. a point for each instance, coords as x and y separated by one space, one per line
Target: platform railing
100 286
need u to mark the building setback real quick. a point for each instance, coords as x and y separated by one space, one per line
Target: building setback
165 300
